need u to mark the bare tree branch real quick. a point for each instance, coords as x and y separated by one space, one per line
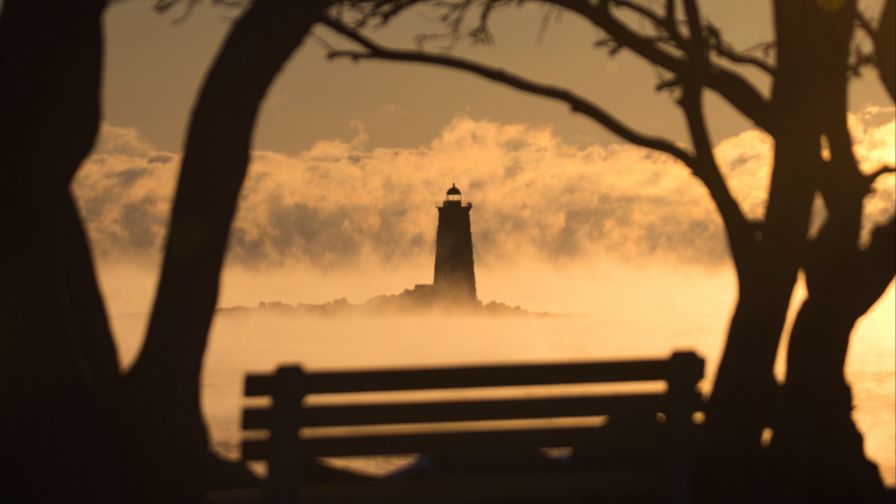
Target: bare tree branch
883 170
884 39
865 23
697 46
384 10
725 50
885 47
740 231
666 25
372 50
663 48
732 86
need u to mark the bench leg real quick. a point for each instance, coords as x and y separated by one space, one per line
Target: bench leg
283 461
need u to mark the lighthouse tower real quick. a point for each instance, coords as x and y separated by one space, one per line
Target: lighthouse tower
454 279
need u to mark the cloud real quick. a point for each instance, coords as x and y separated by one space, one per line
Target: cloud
534 196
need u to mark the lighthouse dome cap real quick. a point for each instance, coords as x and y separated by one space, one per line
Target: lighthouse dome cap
453 189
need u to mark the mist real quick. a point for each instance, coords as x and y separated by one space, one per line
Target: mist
605 308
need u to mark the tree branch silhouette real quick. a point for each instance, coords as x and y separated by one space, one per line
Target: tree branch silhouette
578 104
885 47
731 86
883 170
725 50
741 233
883 38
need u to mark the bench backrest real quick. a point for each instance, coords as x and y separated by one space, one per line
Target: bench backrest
290 385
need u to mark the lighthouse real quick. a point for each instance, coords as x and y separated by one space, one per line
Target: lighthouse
454 279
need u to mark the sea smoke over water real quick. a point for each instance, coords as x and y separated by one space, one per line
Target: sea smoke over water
611 318
341 202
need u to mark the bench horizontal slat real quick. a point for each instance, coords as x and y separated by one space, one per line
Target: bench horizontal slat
328 382
455 411
469 441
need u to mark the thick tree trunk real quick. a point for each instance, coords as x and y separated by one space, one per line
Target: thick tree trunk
54 348
817 451
162 390
812 44
816 447
47 130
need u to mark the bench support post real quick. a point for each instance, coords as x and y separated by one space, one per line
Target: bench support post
289 388
678 460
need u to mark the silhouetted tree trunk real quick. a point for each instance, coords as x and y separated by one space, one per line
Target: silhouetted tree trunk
809 87
164 385
817 451
817 448
73 428
56 348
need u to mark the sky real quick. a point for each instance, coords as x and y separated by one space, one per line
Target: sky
350 159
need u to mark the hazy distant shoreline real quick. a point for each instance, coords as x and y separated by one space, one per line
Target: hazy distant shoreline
386 305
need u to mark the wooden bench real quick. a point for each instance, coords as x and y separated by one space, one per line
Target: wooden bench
656 425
